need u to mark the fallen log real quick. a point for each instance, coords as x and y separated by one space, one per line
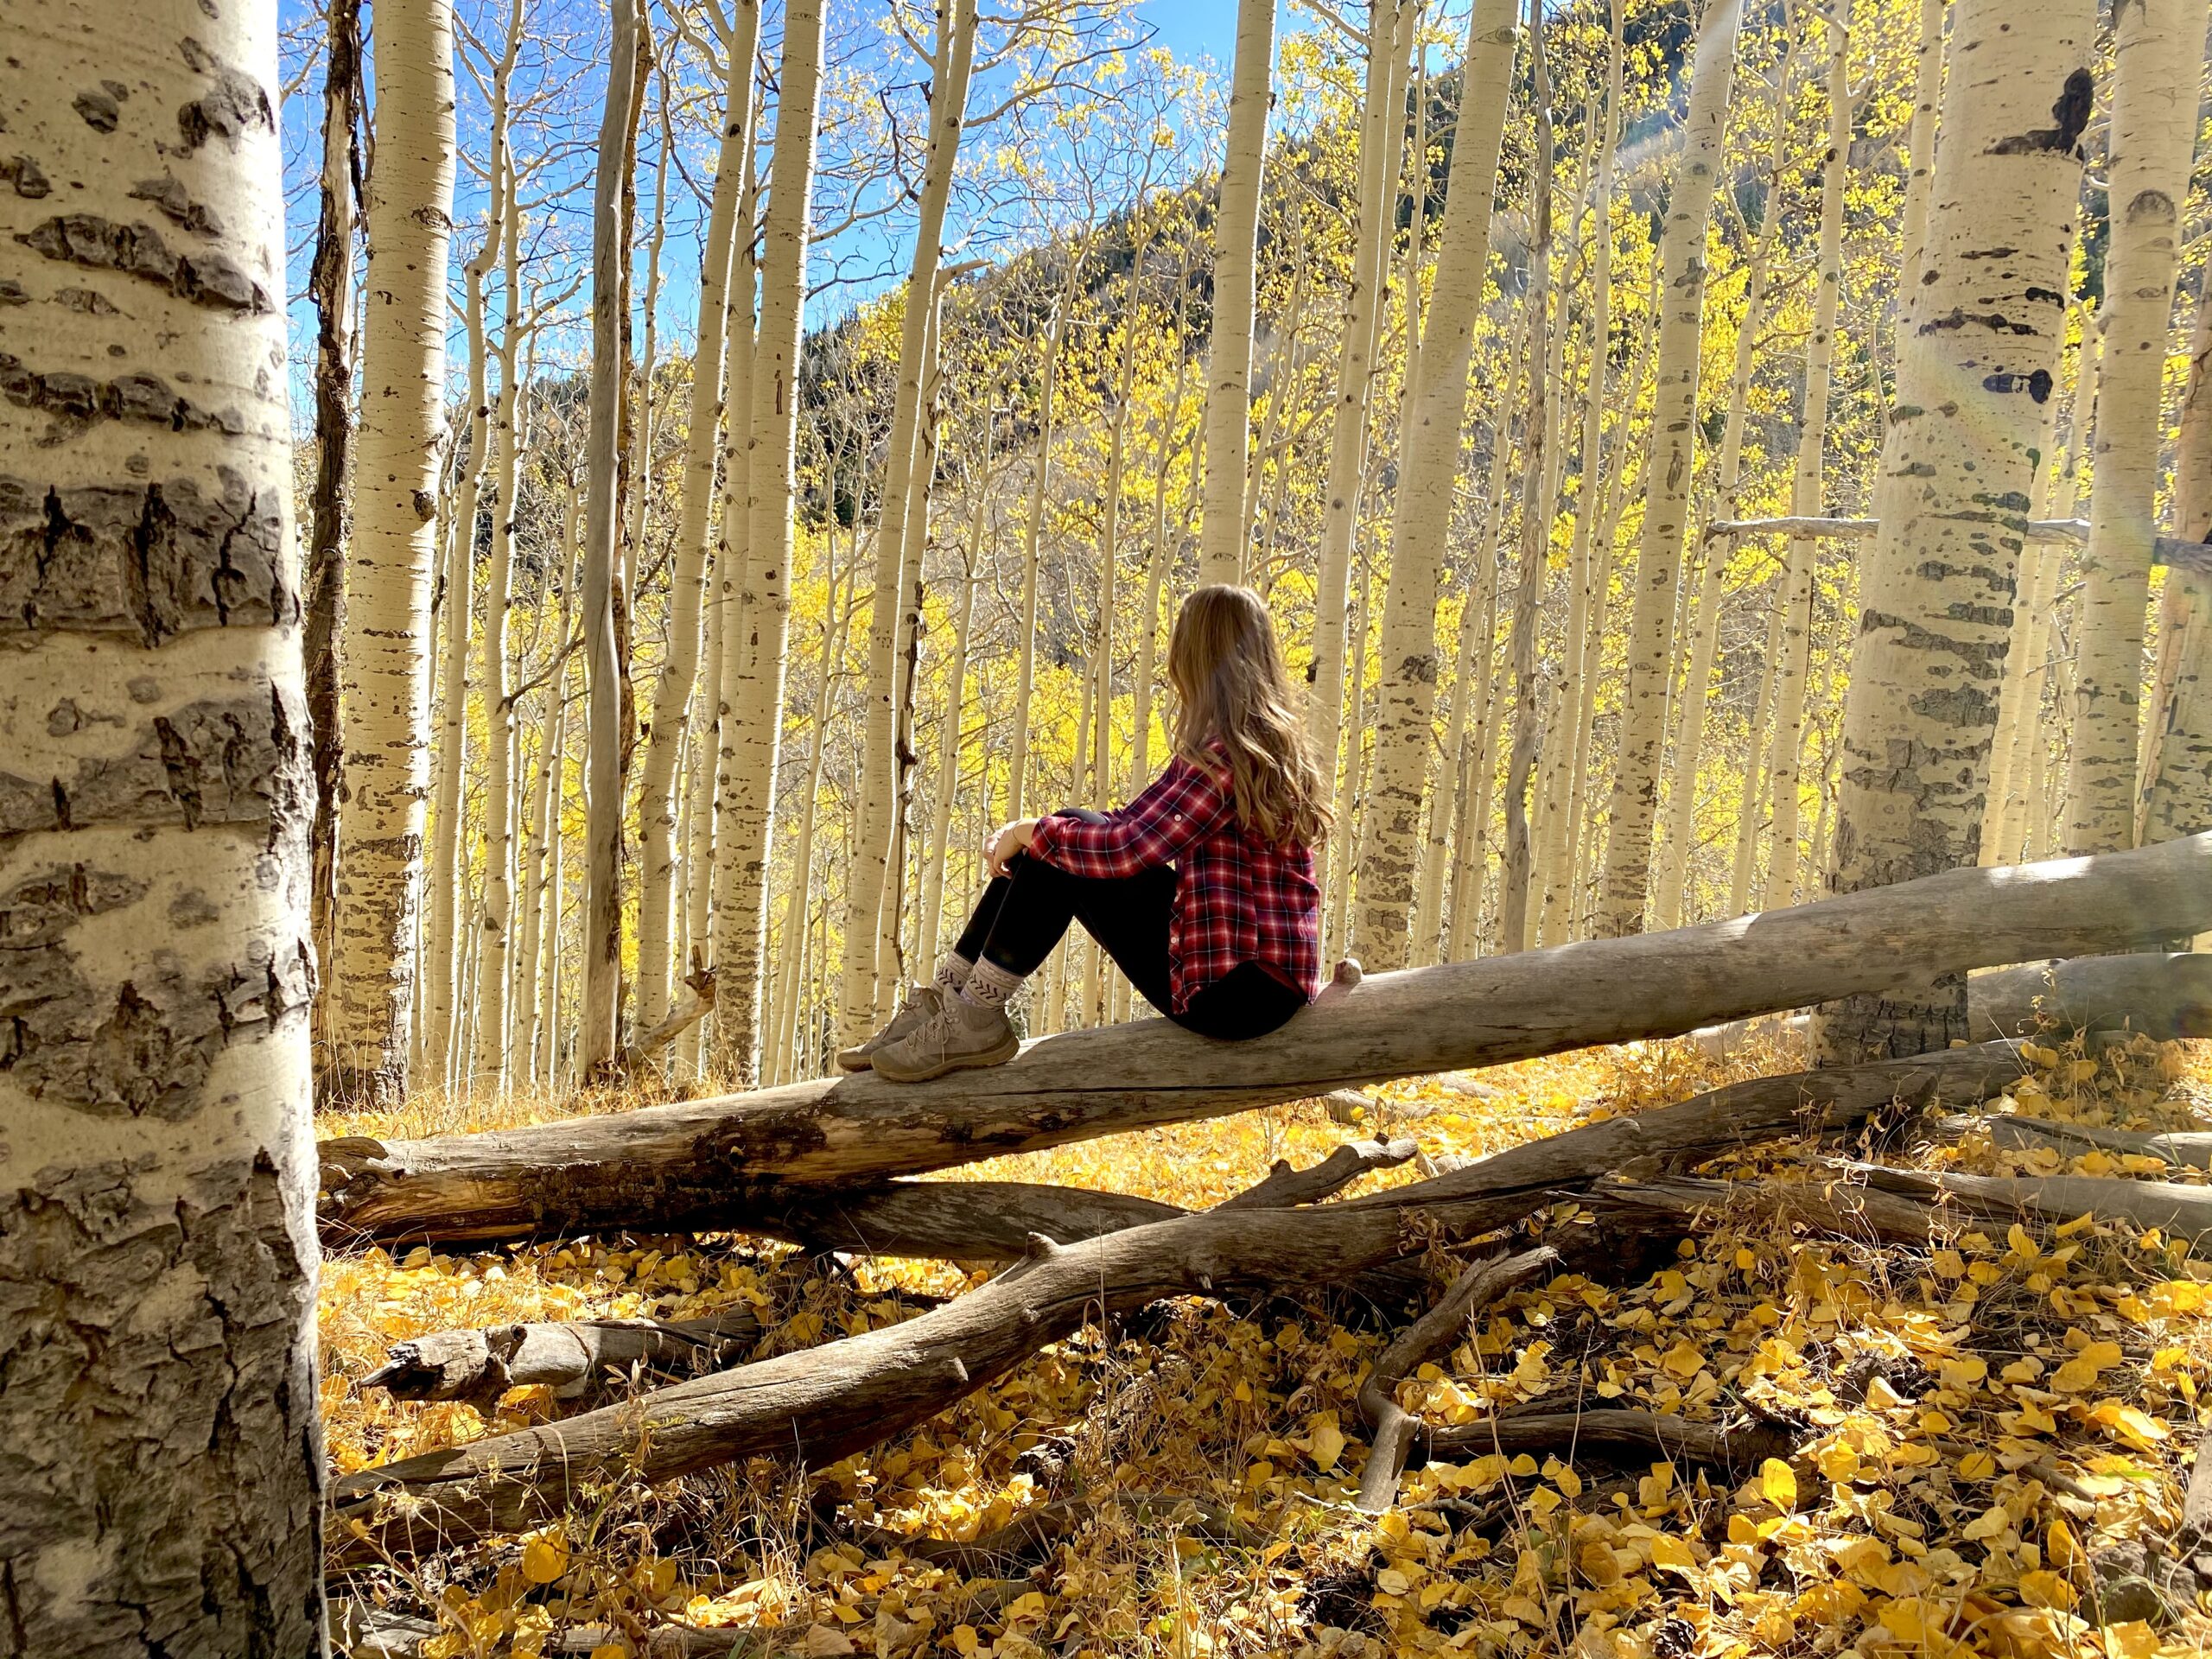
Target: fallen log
827 1402
2163 996
572 1358
2166 1205
359 1630
710 1163
2187 1149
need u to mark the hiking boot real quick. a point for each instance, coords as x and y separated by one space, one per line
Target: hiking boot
958 1034
922 1001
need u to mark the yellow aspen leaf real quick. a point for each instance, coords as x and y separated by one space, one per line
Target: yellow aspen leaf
2017 1237
1779 1484
1685 1359
1977 1465
1328 1442
1598 1563
1839 1461
2133 1640
2136 1426
1673 1553
1989 1524
545 1559
2045 1588
1392 1582
610 1651
1568 1482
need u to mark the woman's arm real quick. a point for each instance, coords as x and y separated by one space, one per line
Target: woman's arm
1183 805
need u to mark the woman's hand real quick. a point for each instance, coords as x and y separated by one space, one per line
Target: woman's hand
1010 839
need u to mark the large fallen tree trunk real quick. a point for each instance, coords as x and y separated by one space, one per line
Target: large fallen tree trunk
2191 1148
829 1402
2160 995
712 1162
572 1357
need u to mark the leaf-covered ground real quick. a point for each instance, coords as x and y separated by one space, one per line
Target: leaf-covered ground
1995 1432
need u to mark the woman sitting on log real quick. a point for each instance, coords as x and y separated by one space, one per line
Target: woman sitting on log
1202 888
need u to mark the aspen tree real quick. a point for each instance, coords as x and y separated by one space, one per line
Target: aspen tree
673 701
756 706
1428 470
1666 504
1807 497
495 920
157 1242
1040 464
1920 149
331 289
1223 530
603 668
1711 556
541 830
2157 63
1392 27
949 72
1584 556
446 946
836 624
1517 873
2178 790
949 734
2019 716
384 665
906 663
1975 363
1161 550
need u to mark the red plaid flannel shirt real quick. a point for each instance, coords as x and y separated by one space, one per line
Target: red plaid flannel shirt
1237 899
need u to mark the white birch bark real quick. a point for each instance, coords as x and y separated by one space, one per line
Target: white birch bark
672 701
1920 149
1162 551
1427 472
1666 507
157 1181
1390 30
599 1010
1222 532
1712 554
384 683
2178 792
746 830
2157 63
1975 364
950 69
1806 492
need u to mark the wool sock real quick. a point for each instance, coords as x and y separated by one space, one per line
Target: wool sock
952 973
989 986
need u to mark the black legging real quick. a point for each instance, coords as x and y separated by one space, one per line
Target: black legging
1023 914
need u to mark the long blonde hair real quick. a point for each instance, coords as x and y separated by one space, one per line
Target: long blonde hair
1234 694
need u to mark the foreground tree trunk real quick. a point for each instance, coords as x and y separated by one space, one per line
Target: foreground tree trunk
157 1258
2178 799
1975 364
1223 533
763 621
330 285
1666 507
1437 406
2157 62
385 665
604 676
658 1166
906 491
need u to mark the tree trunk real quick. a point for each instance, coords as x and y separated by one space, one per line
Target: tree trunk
673 700
905 493
330 285
1161 554
1382 138
2179 798
649 1168
747 829
2158 51
1427 471
1711 558
1920 153
157 1258
1235 267
1978 353
1805 497
384 665
1665 505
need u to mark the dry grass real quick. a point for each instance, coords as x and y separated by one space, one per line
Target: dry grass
1982 1417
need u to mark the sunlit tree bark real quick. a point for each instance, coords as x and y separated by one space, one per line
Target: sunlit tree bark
157 1243
1975 362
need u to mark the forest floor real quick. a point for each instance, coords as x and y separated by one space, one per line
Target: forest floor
1986 1425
